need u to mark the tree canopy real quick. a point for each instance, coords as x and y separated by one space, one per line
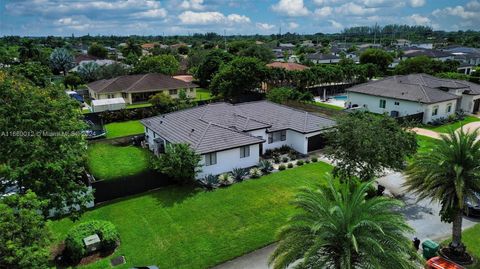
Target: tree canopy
179 162
98 50
378 57
164 64
424 64
61 60
210 65
36 72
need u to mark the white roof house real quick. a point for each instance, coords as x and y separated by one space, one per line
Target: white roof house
108 104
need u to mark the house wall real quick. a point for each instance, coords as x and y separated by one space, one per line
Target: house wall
372 104
467 102
191 93
295 140
227 160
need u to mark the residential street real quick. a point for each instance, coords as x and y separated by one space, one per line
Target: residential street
422 216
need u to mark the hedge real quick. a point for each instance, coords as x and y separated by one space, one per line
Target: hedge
107 232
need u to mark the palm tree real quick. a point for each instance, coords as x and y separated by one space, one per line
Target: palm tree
448 174
61 60
131 47
342 229
28 51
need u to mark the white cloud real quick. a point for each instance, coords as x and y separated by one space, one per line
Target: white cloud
417 3
473 5
323 12
192 4
211 17
354 9
457 11
336 25
292 8
419 19
264 26
152 13
292 25
73 23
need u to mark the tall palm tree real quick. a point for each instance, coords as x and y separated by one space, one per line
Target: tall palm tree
132 47
342 229
448 174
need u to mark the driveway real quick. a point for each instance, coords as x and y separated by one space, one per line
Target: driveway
421 216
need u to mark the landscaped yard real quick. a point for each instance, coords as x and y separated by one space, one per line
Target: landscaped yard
425 143
126 128
324 105
471 237
107 162
203 94
455 125
177 227
139 105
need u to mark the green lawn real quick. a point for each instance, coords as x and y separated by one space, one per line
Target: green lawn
139 105
471 237
455 125
107 162
324 105
126 128
177 227
203 94
425 143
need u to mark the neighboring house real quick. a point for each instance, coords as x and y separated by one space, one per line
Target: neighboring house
430 53
320 58
139 88
99 62
422 45
416 94
234 136
402 43
85 58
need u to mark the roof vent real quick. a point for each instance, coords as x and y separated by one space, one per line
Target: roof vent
193 130
161 122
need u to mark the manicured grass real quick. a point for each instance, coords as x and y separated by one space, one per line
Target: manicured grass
108 162
203 94
126 128
470 237
426 143
139 105
177 227
455 125
324 105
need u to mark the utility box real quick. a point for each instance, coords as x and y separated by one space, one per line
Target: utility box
430 249
92 243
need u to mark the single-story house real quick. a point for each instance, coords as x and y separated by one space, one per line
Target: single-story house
428 97
430 53
231 136
139 88
320 58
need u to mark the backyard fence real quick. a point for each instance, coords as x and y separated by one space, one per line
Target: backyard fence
106 190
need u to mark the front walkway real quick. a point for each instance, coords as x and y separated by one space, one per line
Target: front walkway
426 132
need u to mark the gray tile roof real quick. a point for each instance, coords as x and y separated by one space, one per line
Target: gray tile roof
222 126
139 83
321 56
421 88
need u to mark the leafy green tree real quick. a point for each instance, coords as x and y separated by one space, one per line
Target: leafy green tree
279 95
179 162
364 144
261 52
183 101
211 65
8 54
39 74
23 232
235 47
112 71
342 229
183 50
164 64
61 60
42 148
132 47
378 57
241 75
98 50
28 51
88 71
453 75
162 101
131 59
72 80
448 174
423 64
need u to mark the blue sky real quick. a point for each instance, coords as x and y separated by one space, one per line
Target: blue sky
170 17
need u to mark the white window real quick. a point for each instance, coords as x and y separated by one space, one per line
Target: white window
210 158
277 136
397 103
383 103
449 107
435 111
244 151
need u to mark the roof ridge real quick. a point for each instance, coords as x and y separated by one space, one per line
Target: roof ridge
305 122
108 84
136 82
203 135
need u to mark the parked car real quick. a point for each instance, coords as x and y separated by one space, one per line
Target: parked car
473 206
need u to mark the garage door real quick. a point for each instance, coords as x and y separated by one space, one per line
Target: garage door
316 142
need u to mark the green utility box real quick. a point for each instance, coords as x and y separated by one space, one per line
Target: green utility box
430 249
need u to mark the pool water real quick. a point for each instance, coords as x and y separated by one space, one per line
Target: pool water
340 97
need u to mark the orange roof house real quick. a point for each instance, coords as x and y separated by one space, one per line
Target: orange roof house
288 66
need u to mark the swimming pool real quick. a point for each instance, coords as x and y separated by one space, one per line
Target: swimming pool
340 97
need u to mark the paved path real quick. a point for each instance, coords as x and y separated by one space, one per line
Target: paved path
421 216
426 132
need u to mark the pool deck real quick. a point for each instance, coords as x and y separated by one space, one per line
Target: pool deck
331 101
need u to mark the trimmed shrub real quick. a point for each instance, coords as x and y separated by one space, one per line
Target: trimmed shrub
314 159
285 159
299 162
239 174
265 166
292 155
307 160
209 182
282 167
255 173
225 179
106 231
290 165
276 158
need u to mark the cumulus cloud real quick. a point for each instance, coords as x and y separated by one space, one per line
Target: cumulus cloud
264 26
471 12
152 13
419 19
355 9
192 4
211 17
323 12
292 25
292 8
417 3
336 25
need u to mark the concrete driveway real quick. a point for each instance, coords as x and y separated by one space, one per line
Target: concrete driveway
422 216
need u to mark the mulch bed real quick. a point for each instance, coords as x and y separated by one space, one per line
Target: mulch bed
61 262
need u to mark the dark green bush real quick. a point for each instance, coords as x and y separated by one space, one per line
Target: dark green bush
299 162
314 159
307 160
106 231
285 159
290 165
281 167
